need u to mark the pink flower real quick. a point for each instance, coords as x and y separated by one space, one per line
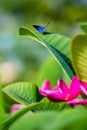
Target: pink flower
63 93
16 107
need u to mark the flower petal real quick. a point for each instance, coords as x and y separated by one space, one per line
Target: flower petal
76 102
55 94
16 107
75 89
63 87
83 87
45 88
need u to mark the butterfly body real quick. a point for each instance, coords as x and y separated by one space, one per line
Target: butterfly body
40 29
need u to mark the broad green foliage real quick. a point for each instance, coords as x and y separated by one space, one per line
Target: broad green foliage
73 119
23 92
79 55
57 45
84 27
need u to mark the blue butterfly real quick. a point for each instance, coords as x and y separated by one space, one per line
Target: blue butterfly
41 29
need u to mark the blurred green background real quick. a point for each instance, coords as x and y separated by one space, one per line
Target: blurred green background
20 58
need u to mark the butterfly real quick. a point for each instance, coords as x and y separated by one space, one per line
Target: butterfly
41 29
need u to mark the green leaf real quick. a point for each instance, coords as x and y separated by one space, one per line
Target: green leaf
57 45
84 27
53 106
68 119
51 70
79 55
23 92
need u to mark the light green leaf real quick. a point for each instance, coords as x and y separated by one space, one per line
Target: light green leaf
79 55
73 119
57 45
23 92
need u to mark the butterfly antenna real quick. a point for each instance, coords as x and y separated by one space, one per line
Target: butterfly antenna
47 24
